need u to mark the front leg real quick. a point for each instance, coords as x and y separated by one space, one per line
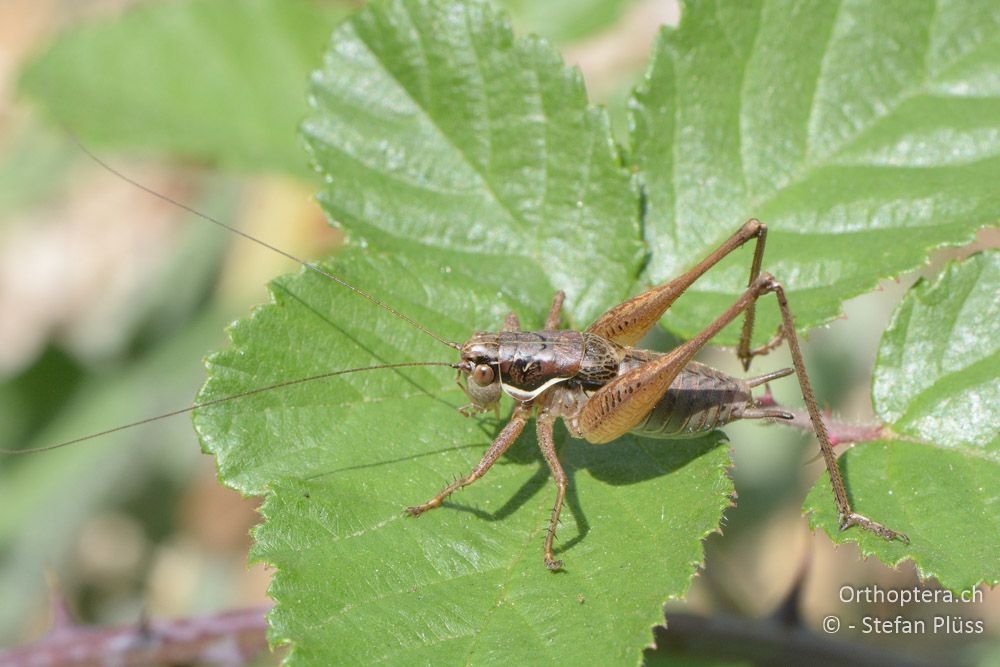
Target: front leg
500 444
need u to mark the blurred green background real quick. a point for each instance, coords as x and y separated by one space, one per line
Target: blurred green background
110 298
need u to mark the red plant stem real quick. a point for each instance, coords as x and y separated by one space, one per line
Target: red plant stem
229 638
840 432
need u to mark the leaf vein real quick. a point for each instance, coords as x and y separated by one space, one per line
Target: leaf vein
741 94
820 75
457 150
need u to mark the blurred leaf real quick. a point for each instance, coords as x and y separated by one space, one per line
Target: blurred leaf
33 167
566 20
181 289
49 498
215 80
937 384
434 126
863 134
34 396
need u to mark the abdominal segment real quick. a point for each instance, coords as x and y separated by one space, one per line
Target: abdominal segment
700 400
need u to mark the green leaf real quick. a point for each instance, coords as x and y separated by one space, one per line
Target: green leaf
862 133
435 128
216 80
936 376
937 384
34 165
355 581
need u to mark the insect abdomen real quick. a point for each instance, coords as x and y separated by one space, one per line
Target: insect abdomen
701 399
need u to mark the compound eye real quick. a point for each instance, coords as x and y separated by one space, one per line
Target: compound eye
483 375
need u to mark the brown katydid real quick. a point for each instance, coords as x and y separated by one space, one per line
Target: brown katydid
603 388
595 380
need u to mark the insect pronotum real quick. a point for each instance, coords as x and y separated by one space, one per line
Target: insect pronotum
596 381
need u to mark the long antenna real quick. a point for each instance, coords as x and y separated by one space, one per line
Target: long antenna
196 406
312 267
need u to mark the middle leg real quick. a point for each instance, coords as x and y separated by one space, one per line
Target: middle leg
547 444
